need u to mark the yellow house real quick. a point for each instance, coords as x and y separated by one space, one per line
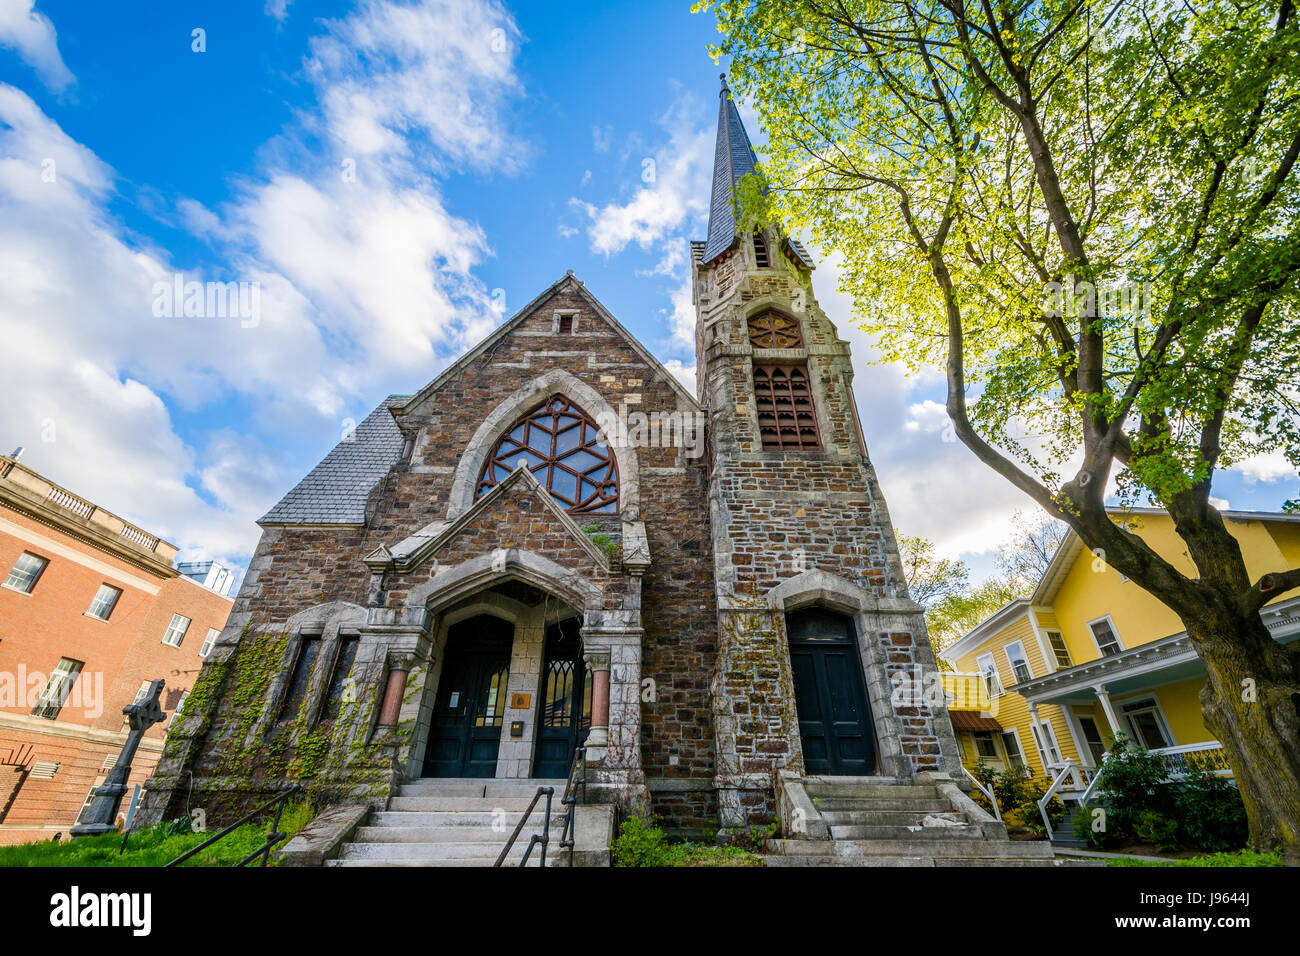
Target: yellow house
1090 654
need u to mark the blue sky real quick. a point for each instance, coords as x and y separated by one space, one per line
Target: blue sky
397 177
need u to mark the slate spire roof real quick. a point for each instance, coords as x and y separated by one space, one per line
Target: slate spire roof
733 159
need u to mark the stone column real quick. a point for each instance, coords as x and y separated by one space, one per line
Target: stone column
597 660
399 666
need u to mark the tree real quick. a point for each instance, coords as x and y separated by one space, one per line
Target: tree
1033 543
1086 213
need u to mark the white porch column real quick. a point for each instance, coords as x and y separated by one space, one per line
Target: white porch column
1111 719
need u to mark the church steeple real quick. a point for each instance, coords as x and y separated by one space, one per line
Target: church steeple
733 159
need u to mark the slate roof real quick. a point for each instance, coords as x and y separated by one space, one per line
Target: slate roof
733 159
335 491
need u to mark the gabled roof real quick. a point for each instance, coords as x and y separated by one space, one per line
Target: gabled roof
335 491
414 401
1011 611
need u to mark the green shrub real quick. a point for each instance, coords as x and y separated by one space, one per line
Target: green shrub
1210 813
641 843
1154 827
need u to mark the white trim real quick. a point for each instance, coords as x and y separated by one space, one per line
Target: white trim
1049 661
985 629
1020 746
1113 629
979 665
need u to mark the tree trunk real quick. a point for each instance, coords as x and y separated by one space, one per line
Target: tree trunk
1251 703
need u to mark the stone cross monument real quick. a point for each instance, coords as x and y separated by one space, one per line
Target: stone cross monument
101 815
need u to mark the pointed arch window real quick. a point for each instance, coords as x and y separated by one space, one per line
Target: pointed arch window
562 446
774 330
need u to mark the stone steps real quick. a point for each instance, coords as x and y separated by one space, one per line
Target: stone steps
455 823
879 822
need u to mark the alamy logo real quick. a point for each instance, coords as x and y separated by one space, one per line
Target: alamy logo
74 909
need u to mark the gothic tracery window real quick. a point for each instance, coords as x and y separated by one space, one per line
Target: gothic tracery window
562 446
774 330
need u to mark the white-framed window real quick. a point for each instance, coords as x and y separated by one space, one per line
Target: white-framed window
57 688
25 572
1056 641
1048 750
1011 744
1015 652
1107 638
176 630
180 705
989 668
985 746
105 599
206 647
90 795
1146 724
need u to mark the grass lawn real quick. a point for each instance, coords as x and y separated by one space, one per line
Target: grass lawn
1241 858
156 845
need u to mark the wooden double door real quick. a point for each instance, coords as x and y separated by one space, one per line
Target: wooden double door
465 735
834 717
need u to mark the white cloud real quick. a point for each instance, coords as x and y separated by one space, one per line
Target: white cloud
673 191
278 9
365 280
32 35
1265 468
683 373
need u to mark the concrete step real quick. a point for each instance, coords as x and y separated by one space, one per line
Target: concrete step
445 834
931 805
510 805
456 787
533 861
452 818
903 834
879 818
799 847
434 851
896 791
947 849
811 860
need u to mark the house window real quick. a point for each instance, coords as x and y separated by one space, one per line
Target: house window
1045 739
1019 663
176 630
984 745
1103 632
104 602
783 400
180 705
774 330
1092 737
25 573
57 688
1145 724
990 671
99 780
1056 641
1011 744
206 647
341 690
562 446
294 695
760 252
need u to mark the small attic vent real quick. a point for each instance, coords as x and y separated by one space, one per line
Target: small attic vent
44 769
566 324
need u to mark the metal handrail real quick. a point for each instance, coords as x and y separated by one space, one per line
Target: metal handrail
272 837
543 838
1067 768
568 837
997 813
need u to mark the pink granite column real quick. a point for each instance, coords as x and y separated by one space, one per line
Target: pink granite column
394 690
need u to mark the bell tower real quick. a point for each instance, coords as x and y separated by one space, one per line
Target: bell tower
812 603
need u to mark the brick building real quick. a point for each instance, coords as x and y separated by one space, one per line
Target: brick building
554 542
91 610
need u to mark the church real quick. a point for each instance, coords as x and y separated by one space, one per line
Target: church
555 545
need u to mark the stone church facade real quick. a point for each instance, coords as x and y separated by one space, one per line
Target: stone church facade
554 543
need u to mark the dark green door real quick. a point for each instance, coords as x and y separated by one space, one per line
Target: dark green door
466 730
834 719
564 702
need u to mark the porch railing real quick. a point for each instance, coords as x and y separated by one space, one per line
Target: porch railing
1184 760
993 801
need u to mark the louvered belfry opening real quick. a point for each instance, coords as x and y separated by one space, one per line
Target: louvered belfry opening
563 448
774 330
783 399
760 252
